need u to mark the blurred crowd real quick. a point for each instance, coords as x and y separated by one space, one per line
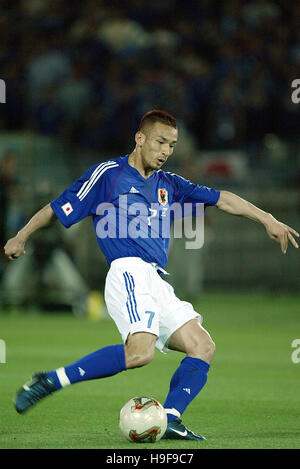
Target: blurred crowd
86 71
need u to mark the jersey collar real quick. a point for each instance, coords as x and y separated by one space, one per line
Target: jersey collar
136 172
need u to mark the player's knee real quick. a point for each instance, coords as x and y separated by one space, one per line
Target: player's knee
139 349
137 358
210 348
204 349
145 358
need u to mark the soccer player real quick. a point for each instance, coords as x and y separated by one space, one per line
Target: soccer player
142 304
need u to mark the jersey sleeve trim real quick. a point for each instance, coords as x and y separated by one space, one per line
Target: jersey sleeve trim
81 199
88 185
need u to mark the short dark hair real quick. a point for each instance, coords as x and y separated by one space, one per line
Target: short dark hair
157 116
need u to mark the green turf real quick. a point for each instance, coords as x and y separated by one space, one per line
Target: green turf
251 400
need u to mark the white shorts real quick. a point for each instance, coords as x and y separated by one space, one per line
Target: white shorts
139 300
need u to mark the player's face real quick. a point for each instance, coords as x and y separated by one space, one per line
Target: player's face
159 143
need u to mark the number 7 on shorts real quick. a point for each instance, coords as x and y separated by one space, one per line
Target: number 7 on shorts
151 316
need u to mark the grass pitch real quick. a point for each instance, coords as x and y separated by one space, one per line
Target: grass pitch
251 399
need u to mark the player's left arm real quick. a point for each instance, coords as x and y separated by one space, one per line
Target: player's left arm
278 231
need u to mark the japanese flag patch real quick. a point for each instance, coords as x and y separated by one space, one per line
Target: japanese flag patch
67 208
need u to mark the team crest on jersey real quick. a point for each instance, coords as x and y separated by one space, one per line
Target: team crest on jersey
163 196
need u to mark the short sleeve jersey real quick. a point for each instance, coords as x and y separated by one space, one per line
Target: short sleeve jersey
132 216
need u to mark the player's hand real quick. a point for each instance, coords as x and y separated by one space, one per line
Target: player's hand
14 248
282 234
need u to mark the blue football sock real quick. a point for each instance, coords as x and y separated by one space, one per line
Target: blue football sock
107 361
186 383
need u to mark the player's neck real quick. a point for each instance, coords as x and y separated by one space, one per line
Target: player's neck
135 160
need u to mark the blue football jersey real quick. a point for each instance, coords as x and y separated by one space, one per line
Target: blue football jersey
132 215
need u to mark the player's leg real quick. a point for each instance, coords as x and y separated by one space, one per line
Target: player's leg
107 361
181 330
104 362
191 375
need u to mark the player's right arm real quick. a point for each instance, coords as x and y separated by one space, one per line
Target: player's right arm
15 246
78 201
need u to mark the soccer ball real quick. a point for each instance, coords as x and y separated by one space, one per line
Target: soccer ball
143 420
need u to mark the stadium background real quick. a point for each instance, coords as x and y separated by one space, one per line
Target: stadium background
79 75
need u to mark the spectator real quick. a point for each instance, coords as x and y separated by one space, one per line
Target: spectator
225 70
